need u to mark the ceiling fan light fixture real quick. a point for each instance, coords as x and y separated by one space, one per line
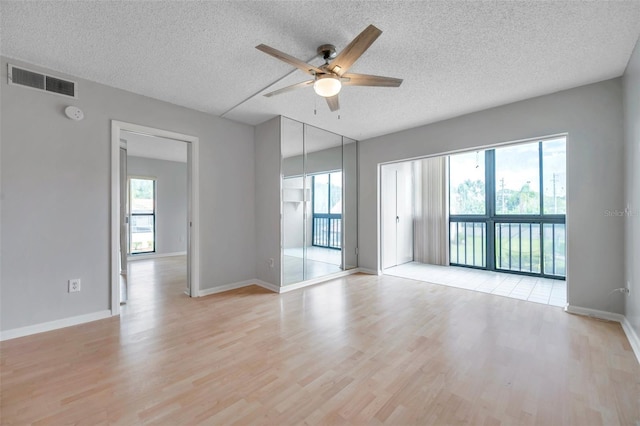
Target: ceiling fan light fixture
327 86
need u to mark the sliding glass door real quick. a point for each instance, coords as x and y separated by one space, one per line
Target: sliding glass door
507 208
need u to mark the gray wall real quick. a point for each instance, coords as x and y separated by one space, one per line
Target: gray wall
267 175
171 200
55 184
632 193
592 116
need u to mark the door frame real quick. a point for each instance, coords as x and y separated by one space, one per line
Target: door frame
193 216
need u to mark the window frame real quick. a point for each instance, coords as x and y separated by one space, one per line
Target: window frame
491 218
153 214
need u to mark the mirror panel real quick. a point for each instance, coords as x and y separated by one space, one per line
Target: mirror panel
319 202
323 170
293 201
350 203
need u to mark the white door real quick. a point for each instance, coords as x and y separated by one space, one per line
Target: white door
397 214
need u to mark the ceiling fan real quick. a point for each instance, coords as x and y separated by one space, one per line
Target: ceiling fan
329 78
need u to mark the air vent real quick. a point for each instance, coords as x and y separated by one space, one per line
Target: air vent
39 81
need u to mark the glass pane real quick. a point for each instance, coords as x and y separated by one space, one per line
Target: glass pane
518 247
142 234
453 242
518 179
142 195
350 203
554 172
321 193
467 243
467 183
323 167
554 249
295 199
335 193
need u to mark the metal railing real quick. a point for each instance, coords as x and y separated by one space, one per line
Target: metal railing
467 242
530 246
327 230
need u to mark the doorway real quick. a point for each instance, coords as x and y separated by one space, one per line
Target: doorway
397 214
124 220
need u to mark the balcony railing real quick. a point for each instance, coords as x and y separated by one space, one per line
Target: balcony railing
468 243
327 230
530 246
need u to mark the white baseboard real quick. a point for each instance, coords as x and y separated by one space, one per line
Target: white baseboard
53 325
594 313
610 316
268 286
307 283
632 336
369 271
226 287
155 255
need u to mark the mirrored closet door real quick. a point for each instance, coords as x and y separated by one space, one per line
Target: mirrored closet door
319 202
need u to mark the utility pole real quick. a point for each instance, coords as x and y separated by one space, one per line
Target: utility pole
555 201
502 192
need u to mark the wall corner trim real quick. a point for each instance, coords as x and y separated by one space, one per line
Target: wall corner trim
632 337
53 325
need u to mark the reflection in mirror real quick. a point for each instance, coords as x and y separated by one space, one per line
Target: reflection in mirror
319 202
293 201
350 203
323 170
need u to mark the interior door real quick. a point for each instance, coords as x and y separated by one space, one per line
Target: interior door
397 214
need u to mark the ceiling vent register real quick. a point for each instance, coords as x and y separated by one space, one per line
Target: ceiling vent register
39 81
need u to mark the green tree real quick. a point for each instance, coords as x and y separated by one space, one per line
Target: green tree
470 197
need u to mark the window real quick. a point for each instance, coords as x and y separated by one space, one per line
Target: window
507 208
554 161
467 183
142 229
517 183
327 210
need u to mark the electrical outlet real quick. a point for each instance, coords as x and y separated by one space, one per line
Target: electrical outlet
74 285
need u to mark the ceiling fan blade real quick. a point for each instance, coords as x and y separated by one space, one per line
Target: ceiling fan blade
289 88
370 80
354 50
308 68
333 103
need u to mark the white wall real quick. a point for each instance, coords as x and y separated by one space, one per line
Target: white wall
171 200
267 184
55 184
592 117
632 193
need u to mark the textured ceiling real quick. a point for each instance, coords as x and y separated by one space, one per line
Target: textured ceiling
454 57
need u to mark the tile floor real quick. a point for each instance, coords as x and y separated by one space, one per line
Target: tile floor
533 289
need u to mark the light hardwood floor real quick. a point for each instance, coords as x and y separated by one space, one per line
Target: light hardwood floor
357 350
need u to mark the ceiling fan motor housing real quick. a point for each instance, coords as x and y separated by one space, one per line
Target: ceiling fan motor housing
328 51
